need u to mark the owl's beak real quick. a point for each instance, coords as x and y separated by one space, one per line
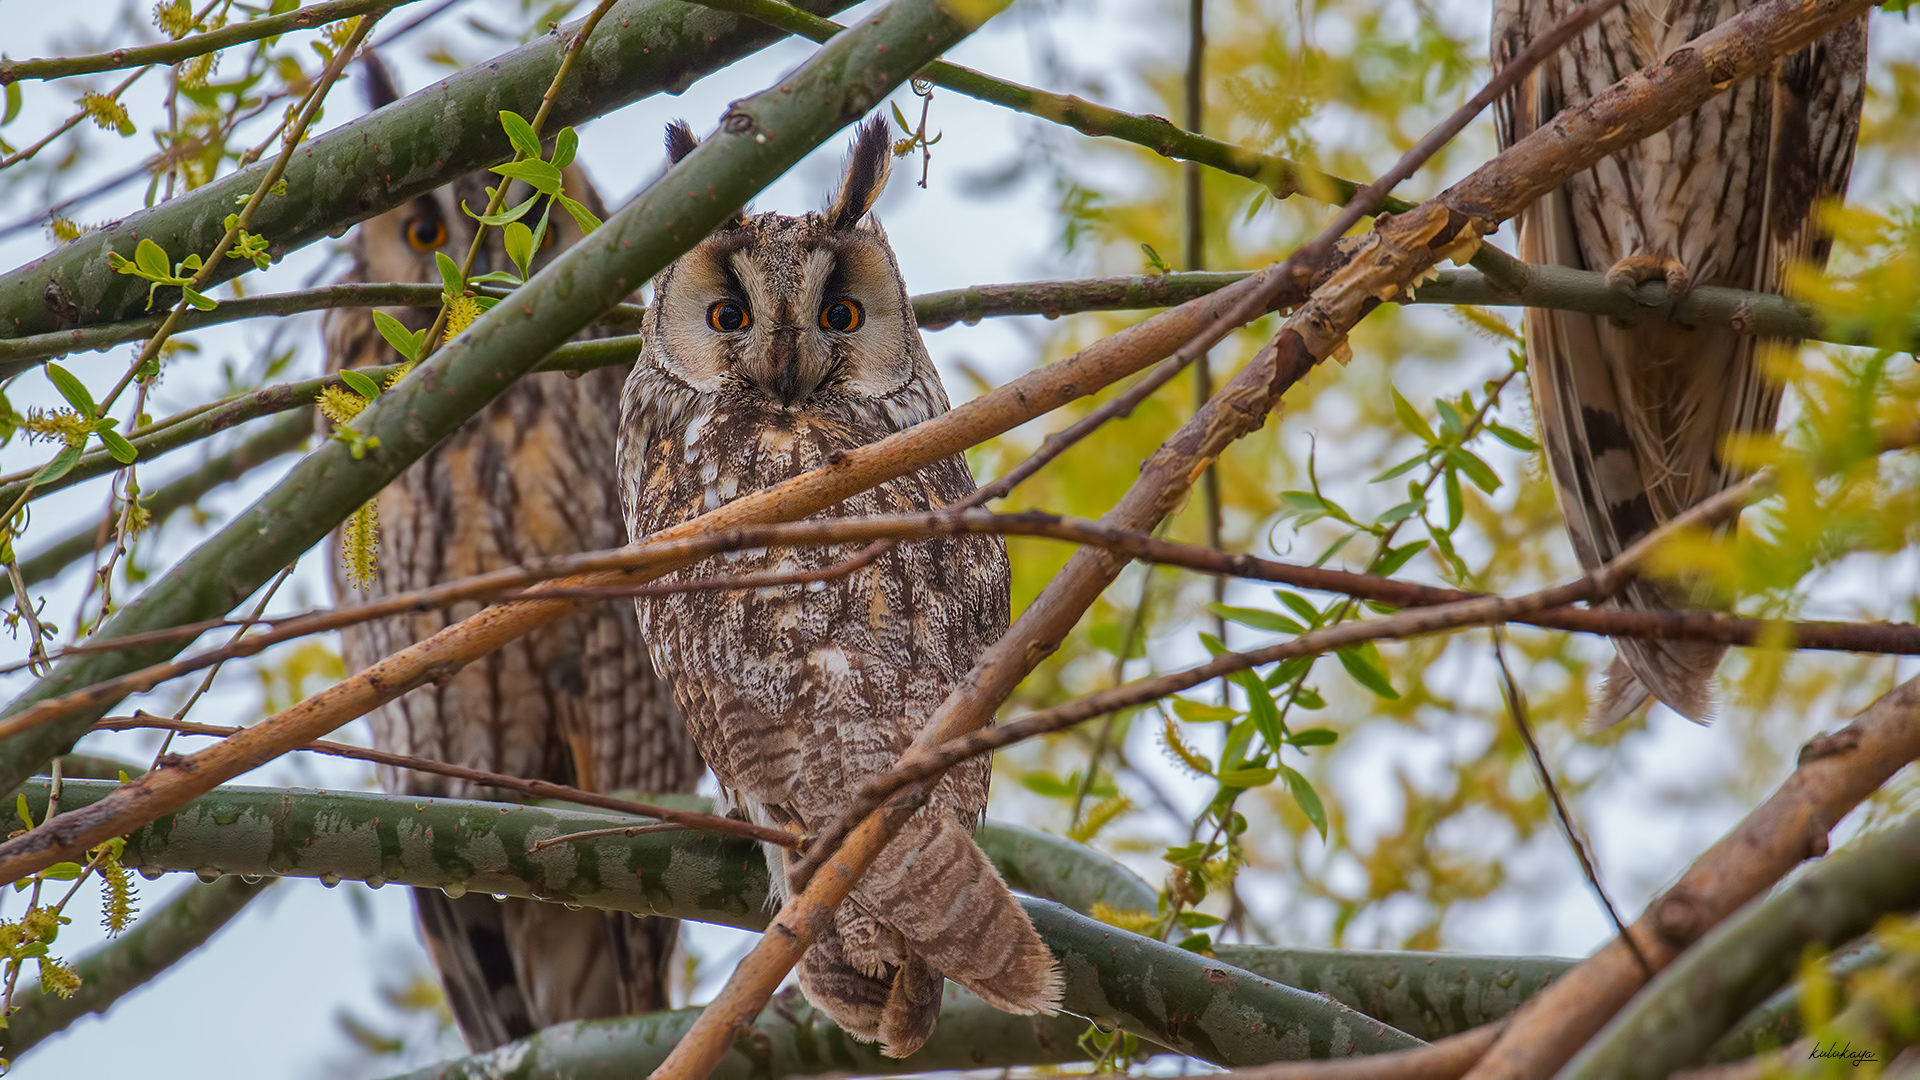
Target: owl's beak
785 356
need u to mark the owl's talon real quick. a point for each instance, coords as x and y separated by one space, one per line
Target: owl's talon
1627 275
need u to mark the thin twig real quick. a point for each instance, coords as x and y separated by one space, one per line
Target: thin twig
1517 708
538 789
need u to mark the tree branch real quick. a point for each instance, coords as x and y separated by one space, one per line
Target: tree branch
172 52
586 279
537 789
382 160
1178 999
792 1039
1835 773
1671 1024
280 437
1026 398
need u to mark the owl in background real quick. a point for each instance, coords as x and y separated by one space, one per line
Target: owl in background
1634 418
773 345
574 703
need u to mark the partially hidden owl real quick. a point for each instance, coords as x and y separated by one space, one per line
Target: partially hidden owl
773 345
1635 418
577 702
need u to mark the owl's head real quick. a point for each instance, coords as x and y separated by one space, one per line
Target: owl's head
399 245
791 311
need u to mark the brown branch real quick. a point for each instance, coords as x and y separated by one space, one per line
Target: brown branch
1380 266
536 789
1240 408
994 413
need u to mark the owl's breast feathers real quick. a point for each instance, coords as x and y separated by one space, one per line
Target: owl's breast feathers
795 693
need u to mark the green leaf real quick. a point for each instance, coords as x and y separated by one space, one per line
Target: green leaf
1308 698
1196 920
20 809
1315 736
57 468
1399 513
1307 798
151 258
1248 779
520 133
63 871
397 335
360 384
1261 708
518 240
582 217
1197 943
1450 420
1456 506
1411 419
1512 438
1307 506
1213 644
1334 548
1394 558
1300 606
539 175
1200 712
1257 618
450 280
565 145
900 118
117 445
1402 469
72 389
13 104
504 216
1288 671
1363 662
198 299
1477 471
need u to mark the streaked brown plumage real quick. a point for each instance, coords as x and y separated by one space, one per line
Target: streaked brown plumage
1634 419
771 346
575 703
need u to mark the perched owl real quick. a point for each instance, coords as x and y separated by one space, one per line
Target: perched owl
1634 419
773 345
575 703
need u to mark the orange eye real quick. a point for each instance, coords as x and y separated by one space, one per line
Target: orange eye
426 232
842 316
728 317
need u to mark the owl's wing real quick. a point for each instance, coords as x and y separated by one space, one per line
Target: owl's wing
1633 419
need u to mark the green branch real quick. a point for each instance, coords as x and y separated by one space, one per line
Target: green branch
382 160
790 1038
1426 995
1178 999
273 440
172 52
1674 1021
763 136
1153 132
1778 1020
107 974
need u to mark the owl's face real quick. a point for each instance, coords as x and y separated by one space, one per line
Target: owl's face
791 311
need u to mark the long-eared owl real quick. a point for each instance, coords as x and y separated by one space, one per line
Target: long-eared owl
774 344
576 702
1634 418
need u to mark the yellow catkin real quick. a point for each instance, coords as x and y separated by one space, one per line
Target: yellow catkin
1178 749
1139 922
339 404
360 546
461 311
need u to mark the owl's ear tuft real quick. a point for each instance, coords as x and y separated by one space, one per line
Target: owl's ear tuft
680 141
866 176
380 89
